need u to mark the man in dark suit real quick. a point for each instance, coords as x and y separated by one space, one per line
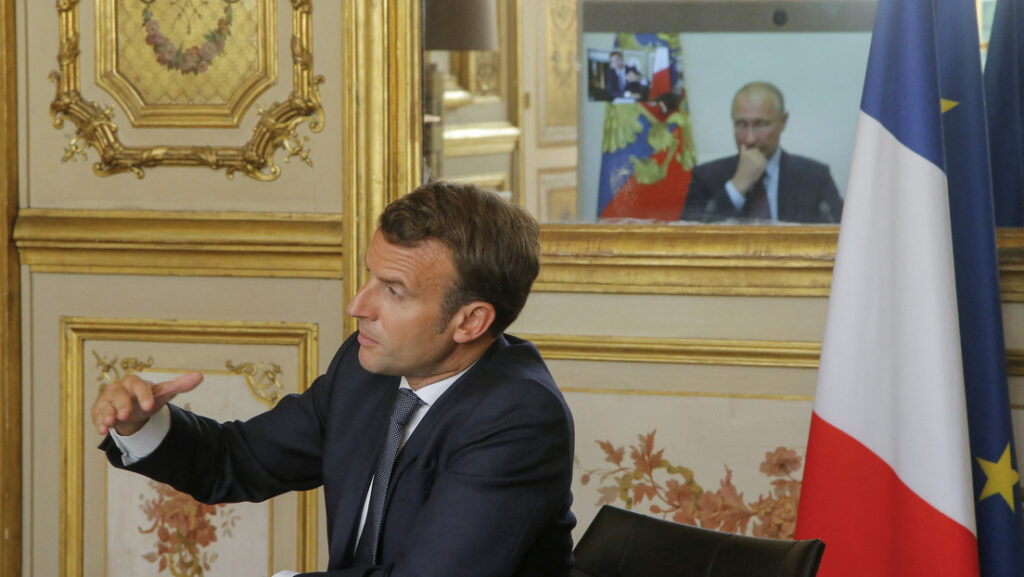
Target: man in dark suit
480 486
615 75
762 182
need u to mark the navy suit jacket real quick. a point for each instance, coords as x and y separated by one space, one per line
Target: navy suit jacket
481 488
612 85
807 192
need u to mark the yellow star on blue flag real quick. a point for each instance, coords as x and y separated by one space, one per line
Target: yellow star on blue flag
1001 478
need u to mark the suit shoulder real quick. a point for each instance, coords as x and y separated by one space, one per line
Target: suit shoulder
806 163
516 368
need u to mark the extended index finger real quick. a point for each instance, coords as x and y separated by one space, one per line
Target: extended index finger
167 390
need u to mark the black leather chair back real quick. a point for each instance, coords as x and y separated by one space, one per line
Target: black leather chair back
622 543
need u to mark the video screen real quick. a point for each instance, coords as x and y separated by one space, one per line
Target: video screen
690 109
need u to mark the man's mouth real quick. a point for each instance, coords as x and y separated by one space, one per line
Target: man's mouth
366 340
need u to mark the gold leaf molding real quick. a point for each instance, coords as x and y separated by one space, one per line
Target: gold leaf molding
181 243
725 352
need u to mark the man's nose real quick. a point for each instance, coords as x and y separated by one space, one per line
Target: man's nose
358 306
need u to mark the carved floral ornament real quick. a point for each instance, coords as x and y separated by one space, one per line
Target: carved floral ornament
276 128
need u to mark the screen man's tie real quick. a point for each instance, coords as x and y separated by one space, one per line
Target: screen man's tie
756 205
405 406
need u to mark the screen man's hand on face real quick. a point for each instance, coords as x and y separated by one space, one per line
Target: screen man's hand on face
751 166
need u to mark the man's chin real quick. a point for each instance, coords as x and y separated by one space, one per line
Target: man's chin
370 364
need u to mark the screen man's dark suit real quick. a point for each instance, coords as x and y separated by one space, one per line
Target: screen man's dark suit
481 488
615 88
807 192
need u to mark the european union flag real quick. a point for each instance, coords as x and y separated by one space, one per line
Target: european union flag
1004 91
997 488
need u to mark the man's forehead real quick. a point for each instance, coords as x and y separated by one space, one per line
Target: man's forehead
753 103
385 254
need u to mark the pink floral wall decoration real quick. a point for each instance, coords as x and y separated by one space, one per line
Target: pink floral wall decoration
185 530
648 480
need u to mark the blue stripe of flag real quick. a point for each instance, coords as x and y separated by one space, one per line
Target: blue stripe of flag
900 87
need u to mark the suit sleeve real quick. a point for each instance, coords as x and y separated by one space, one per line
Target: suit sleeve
706 199
275 452
495 494
830 203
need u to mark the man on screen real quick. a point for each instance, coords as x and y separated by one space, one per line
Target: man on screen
762 183
615 75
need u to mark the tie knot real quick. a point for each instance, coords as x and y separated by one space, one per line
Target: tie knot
406 405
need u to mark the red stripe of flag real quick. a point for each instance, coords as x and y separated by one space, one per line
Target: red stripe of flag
883 527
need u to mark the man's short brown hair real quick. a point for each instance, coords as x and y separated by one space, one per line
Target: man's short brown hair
494 244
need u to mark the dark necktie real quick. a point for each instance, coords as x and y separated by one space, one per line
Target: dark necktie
405 405
756 205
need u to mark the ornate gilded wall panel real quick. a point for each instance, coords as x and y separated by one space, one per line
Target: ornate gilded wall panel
276 129
10 303
248 367
558 75
186 63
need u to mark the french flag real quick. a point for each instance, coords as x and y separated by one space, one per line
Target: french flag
661 76
888 483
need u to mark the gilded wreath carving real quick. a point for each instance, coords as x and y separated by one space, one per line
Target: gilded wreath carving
276 128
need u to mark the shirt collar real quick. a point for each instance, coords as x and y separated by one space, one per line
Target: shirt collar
772 167
429 394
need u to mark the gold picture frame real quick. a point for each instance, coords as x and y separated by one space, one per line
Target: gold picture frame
276 129
76 332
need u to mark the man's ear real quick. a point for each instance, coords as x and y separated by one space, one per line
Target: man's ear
472 321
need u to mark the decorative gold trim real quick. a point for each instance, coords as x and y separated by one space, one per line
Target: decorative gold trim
111 370
745 353
729 260
1010 245
479 139
1015 363
76 331
729 352
383 115
647 393
557 102
277 126
264 383
551 182
144 114
455 96
478 73
10 302
181 243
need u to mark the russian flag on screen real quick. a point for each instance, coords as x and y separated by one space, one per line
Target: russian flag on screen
647 148
888 480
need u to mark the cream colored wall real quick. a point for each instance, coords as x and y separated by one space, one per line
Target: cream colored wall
722 378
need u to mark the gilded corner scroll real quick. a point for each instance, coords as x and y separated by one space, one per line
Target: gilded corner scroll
277 126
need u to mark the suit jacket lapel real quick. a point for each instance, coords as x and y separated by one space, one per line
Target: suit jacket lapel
380 397
427 429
